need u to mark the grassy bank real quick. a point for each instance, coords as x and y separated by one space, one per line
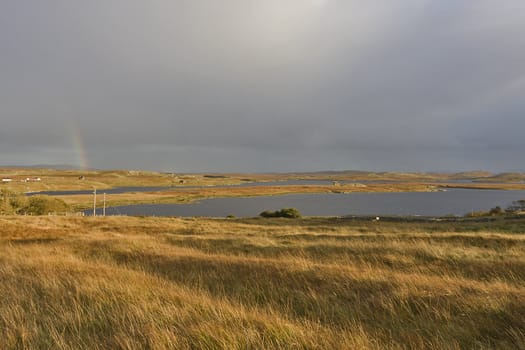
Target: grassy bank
122 282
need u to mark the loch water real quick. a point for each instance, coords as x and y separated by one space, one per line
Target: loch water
450 202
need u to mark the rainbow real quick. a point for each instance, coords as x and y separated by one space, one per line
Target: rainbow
80 149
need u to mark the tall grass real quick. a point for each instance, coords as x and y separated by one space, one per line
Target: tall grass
162 283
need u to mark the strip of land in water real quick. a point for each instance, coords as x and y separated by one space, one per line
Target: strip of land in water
181 187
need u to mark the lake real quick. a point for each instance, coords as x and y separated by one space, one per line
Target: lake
453 201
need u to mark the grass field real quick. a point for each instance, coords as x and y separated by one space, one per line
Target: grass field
165 283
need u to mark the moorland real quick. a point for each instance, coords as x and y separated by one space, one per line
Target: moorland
313 283
74 282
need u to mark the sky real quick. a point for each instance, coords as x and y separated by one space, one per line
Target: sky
263 86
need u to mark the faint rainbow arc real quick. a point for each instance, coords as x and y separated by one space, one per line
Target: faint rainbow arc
80 149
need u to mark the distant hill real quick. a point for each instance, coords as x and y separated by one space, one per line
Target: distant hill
329 175
472 174
43 166
506 177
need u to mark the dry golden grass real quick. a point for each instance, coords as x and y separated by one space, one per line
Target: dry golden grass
165 283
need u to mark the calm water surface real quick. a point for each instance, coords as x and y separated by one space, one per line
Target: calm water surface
453 201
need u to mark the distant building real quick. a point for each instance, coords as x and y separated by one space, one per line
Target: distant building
32 179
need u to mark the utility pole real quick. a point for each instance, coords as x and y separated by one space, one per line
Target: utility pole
104 208
95 202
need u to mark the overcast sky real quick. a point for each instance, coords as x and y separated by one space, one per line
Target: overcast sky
263 85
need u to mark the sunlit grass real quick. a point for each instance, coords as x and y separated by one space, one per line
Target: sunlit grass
161 283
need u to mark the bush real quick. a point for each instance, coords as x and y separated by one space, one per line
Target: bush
42 205
517 206
492 212
496 211
11 202
17 203
291 213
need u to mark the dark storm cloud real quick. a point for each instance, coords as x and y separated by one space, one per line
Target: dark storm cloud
264 86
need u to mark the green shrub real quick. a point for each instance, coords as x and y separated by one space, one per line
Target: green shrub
11 202
496 211
291 213
42 205
517 206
